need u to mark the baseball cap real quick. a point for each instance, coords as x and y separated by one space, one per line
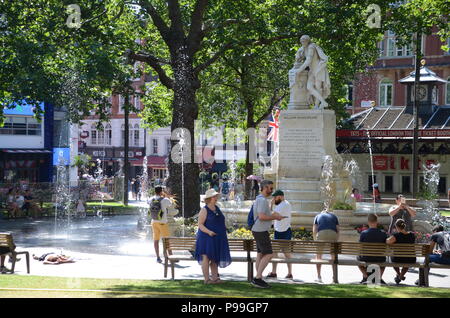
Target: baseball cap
278 192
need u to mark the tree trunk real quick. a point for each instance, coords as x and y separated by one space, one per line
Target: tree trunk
185 112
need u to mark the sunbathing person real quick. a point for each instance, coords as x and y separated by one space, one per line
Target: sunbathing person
53 258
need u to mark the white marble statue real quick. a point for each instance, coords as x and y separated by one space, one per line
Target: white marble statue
309 80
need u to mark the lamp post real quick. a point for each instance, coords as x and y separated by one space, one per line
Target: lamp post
415 164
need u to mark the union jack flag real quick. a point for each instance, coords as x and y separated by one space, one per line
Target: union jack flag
274 126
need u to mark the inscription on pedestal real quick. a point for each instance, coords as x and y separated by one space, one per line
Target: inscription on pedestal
303 136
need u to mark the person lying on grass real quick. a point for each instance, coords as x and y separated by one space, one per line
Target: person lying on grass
53 258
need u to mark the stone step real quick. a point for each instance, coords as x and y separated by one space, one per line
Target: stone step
298 184
301 195
306 205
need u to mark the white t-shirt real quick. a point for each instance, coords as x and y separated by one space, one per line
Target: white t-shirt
285 209
20 200
165 205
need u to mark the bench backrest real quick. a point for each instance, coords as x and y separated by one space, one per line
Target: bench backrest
6 240
301 247
188 244
383 249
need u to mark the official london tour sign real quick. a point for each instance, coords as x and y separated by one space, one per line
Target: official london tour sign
436 133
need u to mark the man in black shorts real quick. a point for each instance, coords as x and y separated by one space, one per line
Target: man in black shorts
263 222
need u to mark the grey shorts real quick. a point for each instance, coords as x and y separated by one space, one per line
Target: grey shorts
263 243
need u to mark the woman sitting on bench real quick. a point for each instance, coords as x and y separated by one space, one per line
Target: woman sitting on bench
402 236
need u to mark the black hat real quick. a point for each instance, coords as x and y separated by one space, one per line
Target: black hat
278 192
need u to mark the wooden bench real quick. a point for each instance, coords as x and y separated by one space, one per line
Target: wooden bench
382 249
6 240
187 245
296 247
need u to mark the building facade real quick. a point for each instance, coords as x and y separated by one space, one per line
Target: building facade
26 145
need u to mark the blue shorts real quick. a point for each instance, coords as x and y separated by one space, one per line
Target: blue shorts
286 235
436 258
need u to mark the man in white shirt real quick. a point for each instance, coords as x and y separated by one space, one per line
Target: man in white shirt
282 227
159 208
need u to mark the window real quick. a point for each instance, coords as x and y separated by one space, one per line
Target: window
93 134
108 135
15 125
406 184
155 146
137 102
349 95
385 92
442 185
390 47
168 146
447 94
389 183
136 135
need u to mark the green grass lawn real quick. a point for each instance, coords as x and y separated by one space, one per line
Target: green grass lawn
39 286
445 213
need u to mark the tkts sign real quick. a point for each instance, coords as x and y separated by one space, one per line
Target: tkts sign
436 133
402 163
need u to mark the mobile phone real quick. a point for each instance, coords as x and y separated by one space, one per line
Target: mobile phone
403 200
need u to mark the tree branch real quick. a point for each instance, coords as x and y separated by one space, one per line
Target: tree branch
154 62
227 22
157 20
230 45
176 25
273 102
196 33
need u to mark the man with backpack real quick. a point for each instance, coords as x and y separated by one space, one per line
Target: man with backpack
159 206
262 221
225 189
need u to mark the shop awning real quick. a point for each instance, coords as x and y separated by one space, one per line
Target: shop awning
21 151
155 162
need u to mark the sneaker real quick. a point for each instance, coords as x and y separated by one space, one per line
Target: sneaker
272 275
259 283
416 282
3 270
363 281
319 280
159 260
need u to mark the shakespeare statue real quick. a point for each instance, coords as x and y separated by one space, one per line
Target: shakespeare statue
309 80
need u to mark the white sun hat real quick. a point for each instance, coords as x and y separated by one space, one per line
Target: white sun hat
211 193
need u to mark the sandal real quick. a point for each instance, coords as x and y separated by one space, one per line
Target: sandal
208 282
272 275
217 281
289 276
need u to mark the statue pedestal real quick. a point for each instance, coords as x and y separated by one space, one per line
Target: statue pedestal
306 136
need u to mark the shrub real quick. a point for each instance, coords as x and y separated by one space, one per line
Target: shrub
342 206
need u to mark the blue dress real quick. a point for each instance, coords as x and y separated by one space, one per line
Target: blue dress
215 247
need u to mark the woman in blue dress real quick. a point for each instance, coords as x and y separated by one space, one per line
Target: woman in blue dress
212 250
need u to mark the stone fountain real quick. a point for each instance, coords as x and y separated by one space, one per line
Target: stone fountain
308 168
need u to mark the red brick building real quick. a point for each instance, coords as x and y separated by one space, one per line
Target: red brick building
381 82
